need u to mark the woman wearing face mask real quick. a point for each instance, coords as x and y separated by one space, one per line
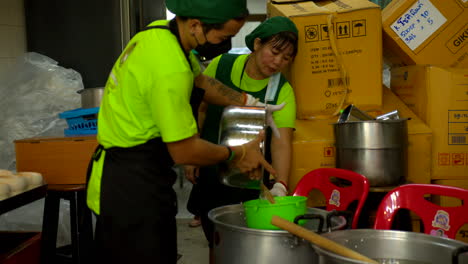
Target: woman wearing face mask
146 126
274 46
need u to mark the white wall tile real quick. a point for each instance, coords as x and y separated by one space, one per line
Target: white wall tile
12 12
257 6
18 45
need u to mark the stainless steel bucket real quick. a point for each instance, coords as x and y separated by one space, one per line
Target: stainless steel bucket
91 97
239 125
236 243
376 149
387 246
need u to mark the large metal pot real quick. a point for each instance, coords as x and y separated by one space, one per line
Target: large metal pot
91 97
236 243
387 246
376 149
239 125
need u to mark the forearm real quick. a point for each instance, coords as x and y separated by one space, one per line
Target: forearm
196 151
281 153
199 152
218 93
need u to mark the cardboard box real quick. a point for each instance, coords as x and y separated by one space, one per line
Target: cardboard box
426 32
446 201
313 148
315 75
61 160
439 96
314 144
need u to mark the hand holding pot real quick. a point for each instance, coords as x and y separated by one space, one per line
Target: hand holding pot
252 101
249 158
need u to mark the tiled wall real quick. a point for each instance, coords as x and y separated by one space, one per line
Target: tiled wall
12 32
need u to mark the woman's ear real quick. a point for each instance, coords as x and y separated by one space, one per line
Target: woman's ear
257 44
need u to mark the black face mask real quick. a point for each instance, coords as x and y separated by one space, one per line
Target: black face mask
209 50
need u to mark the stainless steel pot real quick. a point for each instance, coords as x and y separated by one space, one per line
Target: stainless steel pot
376 149
239 125
236 243
91 97
387 246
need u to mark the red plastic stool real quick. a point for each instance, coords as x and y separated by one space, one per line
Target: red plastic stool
437 220
337 197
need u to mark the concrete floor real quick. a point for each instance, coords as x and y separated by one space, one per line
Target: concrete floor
191 241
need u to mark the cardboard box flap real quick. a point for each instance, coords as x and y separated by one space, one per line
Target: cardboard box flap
307 8
392 102
53 139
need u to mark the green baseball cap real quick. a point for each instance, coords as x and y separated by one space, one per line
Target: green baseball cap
208 11
269 28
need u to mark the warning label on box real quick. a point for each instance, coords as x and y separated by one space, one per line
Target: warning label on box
418 23
444 159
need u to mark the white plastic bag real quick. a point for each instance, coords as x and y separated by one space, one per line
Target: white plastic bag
32 95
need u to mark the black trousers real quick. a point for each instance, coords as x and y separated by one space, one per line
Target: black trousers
138 206
214 194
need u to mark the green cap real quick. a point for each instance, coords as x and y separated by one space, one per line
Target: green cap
208 11
269 28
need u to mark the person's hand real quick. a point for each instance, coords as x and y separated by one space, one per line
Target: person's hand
279 189
249 158
191 173
252 101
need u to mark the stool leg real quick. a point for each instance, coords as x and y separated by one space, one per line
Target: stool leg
85 227
50 221
75 238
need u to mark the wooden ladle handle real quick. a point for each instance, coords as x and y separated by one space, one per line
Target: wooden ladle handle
319 240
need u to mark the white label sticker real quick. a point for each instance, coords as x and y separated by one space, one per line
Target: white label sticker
418 23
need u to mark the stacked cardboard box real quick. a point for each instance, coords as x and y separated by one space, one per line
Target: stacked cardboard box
351 29
439 96
426 32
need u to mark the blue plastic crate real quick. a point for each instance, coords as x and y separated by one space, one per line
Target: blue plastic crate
81 121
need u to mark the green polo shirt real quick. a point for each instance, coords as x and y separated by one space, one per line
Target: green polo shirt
147 94
283 118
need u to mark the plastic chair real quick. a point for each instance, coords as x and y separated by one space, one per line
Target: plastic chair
337 197
437 220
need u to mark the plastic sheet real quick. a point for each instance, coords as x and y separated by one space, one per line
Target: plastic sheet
32 95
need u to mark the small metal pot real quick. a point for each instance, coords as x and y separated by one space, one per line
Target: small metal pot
236 243
91 97
388 246
239 125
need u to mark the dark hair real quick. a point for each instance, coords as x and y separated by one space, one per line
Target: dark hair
281 41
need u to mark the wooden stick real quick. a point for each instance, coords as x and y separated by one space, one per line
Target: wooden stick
264 192
319 240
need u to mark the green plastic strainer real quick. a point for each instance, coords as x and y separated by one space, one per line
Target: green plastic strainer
259 212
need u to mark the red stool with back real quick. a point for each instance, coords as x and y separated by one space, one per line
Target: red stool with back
337 197
437 220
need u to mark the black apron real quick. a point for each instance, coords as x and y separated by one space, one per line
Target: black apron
138 204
